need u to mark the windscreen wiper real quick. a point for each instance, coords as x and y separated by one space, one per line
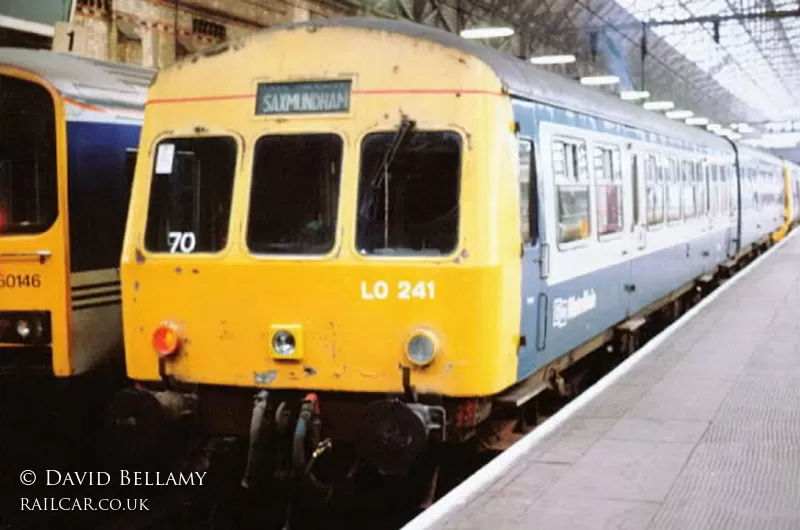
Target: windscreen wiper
399 137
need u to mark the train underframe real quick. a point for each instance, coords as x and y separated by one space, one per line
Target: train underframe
320 443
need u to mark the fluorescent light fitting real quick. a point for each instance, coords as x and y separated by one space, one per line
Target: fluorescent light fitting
553 59
679 114
596 80
714 127
659 105
486 33
745 128
632 95
697 120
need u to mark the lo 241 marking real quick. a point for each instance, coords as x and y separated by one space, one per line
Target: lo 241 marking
405 290
19 281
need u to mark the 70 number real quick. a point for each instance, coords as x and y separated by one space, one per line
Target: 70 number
183 242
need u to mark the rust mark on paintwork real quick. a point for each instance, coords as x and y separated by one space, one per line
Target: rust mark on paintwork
195 271
139 256
309 370
178 270
333 340
462 256
265 378
136 286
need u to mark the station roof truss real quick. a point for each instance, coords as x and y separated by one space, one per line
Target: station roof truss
732 61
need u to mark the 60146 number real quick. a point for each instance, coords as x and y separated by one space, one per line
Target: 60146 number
13 281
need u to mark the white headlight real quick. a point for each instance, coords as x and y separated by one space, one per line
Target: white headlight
421 348
23 329
283 342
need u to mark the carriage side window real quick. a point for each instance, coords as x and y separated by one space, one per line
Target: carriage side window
608 181
725 189
294 199
527 189
28 185
190 195
674 190
752 190
700 183
571 174
687 188
713 189
654 184
409 190
635 187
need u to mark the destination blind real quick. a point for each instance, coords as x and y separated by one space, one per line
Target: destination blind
303 97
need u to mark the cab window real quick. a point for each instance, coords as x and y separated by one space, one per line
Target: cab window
408 201
190 195
28 185
295 194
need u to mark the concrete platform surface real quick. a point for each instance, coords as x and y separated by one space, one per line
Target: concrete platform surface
700 429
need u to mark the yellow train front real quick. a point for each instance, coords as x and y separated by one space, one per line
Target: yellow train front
309 221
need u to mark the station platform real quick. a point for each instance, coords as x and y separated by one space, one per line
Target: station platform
699 429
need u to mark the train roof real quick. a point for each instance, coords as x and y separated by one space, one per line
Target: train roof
88 81
528 81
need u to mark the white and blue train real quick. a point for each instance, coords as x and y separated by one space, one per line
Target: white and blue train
635 211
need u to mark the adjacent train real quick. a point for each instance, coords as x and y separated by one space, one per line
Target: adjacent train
388 245
69 131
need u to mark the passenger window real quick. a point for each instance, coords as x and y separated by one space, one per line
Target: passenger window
190 195
635 187
752 190
409 193
294 198
700 188
713 189
729 188
654 178
689 189
675 182
571 174
527 189
608 180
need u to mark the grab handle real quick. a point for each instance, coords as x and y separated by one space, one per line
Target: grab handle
40 255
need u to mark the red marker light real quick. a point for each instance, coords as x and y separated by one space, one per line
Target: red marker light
166 340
